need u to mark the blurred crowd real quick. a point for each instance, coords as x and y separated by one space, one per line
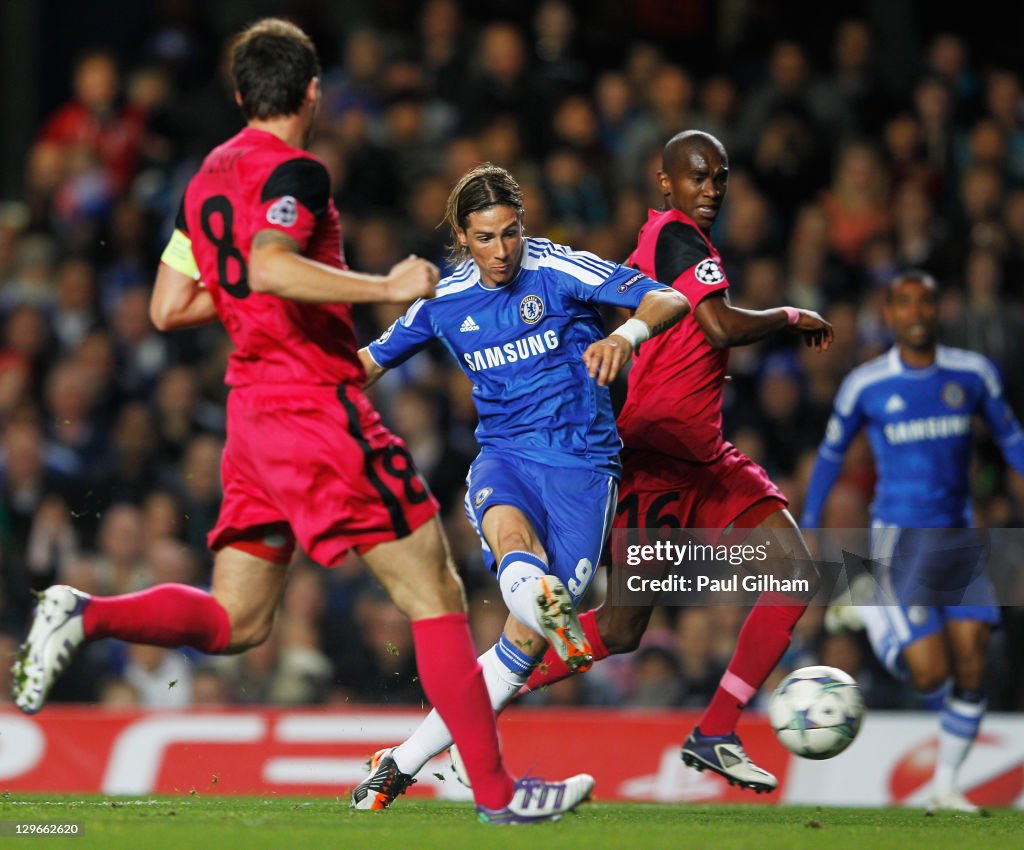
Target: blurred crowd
110 432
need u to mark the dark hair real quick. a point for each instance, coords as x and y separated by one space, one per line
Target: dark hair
915 275
485 186
94 51
272 62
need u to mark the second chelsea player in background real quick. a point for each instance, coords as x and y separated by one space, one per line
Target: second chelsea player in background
521 316
934 606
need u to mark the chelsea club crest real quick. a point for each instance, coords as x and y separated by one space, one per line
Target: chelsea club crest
531 309
953 394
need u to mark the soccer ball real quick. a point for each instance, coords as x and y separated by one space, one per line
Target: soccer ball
816 712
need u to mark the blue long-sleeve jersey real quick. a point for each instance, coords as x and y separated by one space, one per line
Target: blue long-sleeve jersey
919 425
522 346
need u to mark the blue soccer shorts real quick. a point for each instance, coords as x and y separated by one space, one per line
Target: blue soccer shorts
571 509
925 577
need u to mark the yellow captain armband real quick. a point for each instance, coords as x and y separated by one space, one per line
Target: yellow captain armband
178 255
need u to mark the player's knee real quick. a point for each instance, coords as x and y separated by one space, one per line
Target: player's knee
623 635
969 672
801 569
443 594
248 632
451 592
515 540
622 641
929 680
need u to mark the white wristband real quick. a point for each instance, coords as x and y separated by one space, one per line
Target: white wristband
634 331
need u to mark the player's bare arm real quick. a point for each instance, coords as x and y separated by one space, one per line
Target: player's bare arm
373 369
277 268
658 311
725 326
179 301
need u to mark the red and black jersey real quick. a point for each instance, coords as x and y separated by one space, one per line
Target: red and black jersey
674 400
253 182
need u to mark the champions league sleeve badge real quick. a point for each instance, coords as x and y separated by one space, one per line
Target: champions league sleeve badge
709 272
283 212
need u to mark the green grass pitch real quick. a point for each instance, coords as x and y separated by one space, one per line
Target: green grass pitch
224 823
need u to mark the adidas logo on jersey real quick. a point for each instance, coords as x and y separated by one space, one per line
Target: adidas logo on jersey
895 404
469 325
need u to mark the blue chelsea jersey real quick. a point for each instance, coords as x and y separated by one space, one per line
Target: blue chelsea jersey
919 424
522 346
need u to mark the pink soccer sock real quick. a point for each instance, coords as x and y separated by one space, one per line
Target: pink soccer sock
164 615
764 638
552 669
454 683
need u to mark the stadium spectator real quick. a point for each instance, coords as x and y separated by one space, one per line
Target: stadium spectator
855 77
933 107
131 467
856 202
75 312
27 336
904 152
97 122
120 564
442 46
668 103
499 83
1003 99
948 58
791 88
556 63
615 108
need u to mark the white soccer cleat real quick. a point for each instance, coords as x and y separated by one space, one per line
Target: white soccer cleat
561 624
57 631
846 618
842 618
384 783
534 800
951 800
724 754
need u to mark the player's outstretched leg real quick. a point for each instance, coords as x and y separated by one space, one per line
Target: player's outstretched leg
169 615
561 624
724 754
763 639
418 574
505 667
55 635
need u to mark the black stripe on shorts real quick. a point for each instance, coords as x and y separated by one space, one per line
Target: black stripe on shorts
391 502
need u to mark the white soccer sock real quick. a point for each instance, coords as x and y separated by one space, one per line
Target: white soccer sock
506 670
518 573
961 717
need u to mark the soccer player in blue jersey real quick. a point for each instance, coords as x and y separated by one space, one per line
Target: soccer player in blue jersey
521 317
917 402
